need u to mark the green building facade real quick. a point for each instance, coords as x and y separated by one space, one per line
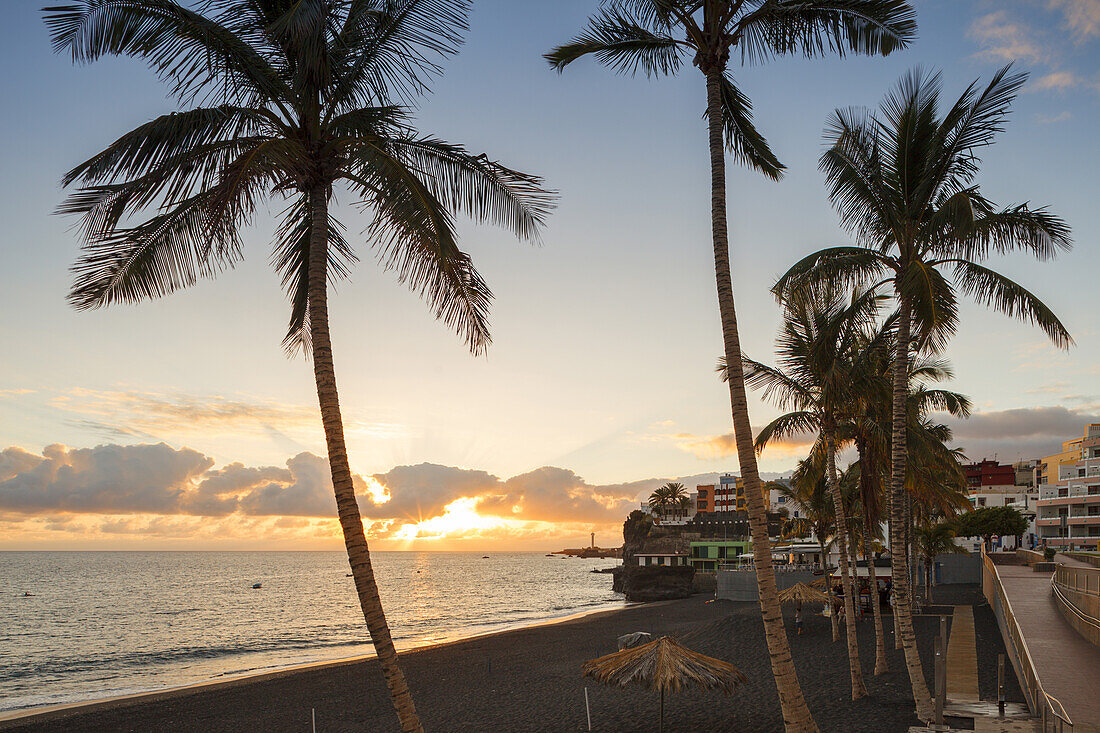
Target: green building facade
707 555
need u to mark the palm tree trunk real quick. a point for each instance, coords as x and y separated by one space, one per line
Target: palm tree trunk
828 589
928 580
899 455
881 666
910 546
796 714
868 489
890 530
355 538
854 667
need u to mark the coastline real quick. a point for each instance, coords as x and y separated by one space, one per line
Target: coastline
19 715
529 679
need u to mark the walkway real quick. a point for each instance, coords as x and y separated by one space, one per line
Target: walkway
962 657
1067 665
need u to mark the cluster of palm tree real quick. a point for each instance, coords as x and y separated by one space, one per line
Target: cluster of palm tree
299 100
672 498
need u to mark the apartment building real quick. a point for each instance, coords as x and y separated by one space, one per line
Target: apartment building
1069 494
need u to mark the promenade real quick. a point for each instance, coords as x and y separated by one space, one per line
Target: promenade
1067 665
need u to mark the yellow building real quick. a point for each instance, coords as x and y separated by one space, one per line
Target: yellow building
1069 494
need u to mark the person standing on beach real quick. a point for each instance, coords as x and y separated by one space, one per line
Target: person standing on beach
798 621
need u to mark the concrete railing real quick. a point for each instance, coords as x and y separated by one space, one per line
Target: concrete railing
1047 707
1077 594
1085 557
1029 556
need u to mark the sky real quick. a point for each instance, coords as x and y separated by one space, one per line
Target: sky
181 423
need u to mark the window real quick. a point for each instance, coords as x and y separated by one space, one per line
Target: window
1063 492
702 493
1010 500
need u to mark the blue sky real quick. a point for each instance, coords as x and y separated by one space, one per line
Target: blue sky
606 335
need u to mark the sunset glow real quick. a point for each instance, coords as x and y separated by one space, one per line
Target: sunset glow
458 518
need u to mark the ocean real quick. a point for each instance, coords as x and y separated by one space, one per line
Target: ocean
100 624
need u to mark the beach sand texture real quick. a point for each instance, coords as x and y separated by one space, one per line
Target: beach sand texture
529 680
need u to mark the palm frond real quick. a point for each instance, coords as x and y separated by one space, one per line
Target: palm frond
622 43
813 28
1008 297
190 51
742 138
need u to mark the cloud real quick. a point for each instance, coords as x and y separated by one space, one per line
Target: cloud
1057 81
108 478
159 411
1082 17
1051 119
425 489
557 494
715 447
126 494
1024 433
1002 39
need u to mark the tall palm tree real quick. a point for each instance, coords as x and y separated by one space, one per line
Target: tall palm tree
820 375
295 101
902 181
869 426
655 36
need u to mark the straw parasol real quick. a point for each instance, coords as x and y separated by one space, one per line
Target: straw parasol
663 665
801 593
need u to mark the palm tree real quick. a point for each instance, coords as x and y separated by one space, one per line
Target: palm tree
869 417
658 500
808 490
295 99
902 181
935 538
655 36
819 376
677 497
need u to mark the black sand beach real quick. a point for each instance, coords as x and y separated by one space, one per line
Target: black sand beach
529 680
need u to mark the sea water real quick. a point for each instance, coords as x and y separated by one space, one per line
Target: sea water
100 624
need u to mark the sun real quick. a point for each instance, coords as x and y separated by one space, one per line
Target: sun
458 517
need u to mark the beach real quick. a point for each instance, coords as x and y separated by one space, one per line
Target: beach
529 680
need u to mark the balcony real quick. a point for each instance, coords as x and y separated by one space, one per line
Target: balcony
1093 519
1064 500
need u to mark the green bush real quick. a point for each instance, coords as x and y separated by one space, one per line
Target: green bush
1049 553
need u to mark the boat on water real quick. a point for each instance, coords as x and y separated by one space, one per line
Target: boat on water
257 585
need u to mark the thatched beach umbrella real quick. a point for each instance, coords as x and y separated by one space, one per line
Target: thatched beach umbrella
663 665
801 593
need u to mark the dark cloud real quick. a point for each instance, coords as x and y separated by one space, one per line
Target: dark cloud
106 479
1022 433
307 492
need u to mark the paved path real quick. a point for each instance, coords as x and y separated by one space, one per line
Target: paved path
962 657
1068 666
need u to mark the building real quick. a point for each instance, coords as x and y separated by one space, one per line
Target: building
704 498
729 495
993 484
991 474
1069 494
661 558
708 555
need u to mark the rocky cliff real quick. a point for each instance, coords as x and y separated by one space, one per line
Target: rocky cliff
652 583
